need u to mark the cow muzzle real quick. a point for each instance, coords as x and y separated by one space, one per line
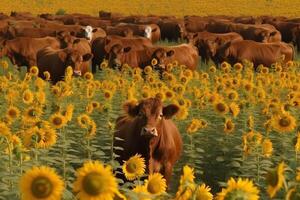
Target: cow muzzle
77 73
149 132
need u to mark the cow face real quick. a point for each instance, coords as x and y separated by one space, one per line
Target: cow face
116 54
181 30
73 58
148 32
149 114
65 38
222 52
3 49
162 55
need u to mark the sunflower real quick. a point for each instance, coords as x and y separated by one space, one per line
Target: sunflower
234 109
12 113
232 95
4 130
292 194
88 76
228 126
89 108
203 193
221 107
187 185
250 122
154 62
31 115
92 128
238 67
156 184
267 148
297 142
212 69
141 192
68 114
134 167
58 120
193 126
47 75
283 122
41 97
41 183
169 94
107 94
83 120
275 179
46 137
27 96
34 70
182 113
240 189
4 64
104 64
148 69
94 181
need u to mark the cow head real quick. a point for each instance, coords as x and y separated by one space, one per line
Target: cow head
222 52
191 38
149 114
149 31
162 56
181 30
65 38
115 55
73 58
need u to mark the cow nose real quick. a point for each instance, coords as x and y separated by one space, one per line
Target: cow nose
149 131
77 72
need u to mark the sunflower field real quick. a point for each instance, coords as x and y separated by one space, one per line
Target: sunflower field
239 127
178 8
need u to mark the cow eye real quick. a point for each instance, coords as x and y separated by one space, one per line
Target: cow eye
160 116
140 114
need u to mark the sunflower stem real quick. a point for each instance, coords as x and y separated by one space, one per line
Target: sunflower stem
63 153
258 165
285 185
88 149
9 163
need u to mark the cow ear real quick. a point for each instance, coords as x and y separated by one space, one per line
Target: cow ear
195 35
87 57
170 53
131 109
76 41
62 56
170 110
153 30
94 30
107 41
126 49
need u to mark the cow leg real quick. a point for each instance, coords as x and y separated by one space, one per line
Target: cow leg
94 66
167 172
154 166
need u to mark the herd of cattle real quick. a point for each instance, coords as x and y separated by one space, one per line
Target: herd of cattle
53 42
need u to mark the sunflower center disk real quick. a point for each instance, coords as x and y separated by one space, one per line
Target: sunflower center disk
221 107
285 122
93 184
131 167
57 121
41 187
153 188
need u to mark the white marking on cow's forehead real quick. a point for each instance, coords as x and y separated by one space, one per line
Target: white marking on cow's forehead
88 32
88 29
148 32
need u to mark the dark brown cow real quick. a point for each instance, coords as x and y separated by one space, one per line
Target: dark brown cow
286 30
22 51
150 132
102 46
258 53
207 43
56 61
109 15
172 30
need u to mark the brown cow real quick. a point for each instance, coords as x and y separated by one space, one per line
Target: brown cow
184 54
84 48
120 31
102 46
14 32
256 52
22 51
56 61
150 132
207 43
